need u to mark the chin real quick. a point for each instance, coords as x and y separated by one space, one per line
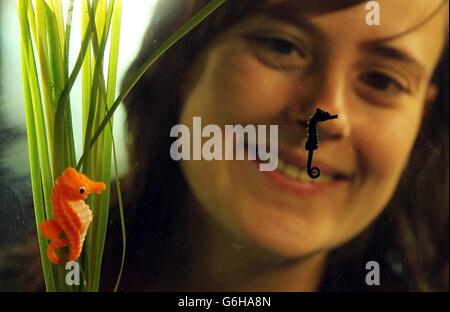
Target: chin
280 233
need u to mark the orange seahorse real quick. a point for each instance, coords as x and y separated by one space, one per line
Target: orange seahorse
71 214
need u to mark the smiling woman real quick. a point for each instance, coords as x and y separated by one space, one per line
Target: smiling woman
381 203
225 225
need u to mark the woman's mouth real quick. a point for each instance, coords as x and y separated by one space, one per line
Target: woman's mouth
291 175
300 174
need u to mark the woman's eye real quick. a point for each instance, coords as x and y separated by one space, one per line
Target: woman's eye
277 45
279 52
382 82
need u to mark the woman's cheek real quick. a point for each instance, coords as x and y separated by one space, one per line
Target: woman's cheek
385 140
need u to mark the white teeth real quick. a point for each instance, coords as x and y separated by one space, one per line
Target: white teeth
300 174
304 176
291 171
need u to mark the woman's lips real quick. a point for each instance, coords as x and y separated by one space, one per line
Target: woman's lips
300 187
291 175
299 160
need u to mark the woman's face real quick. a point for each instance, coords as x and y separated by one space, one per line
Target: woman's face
277 68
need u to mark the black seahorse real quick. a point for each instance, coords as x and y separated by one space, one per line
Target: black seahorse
312 143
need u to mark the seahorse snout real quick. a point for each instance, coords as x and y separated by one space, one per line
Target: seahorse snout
95 187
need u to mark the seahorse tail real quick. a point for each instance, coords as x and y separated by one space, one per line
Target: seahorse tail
314 172
75 249
53 246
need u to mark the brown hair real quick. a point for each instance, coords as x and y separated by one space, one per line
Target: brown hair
410 237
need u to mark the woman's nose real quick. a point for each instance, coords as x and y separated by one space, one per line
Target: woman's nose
329 94
334 129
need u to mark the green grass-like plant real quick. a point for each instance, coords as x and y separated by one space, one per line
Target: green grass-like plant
47 84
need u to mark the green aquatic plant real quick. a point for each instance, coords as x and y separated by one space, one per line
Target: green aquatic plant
47 84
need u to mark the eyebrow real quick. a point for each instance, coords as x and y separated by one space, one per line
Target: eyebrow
377 47
380 49
292 18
